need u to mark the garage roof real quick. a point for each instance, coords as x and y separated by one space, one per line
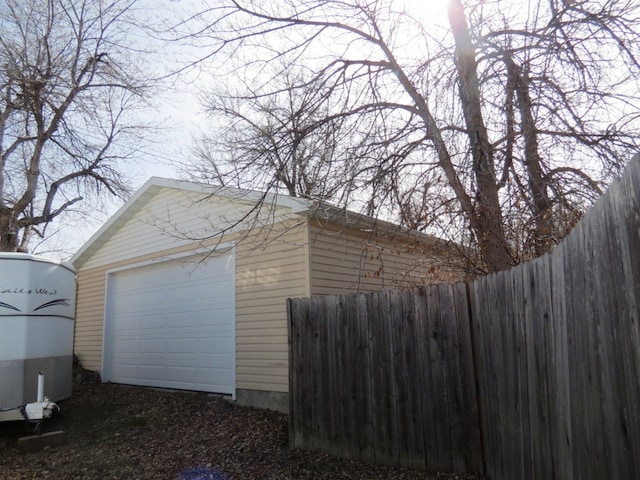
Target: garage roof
320 210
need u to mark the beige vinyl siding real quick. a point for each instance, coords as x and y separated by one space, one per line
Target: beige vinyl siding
90 318
347 260
265 278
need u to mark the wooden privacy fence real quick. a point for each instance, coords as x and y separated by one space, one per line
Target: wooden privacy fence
385 377
552 346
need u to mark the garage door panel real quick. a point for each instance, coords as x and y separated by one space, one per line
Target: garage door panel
124 322
195 332
215 376
151 372
149 321
125 346
215 362
127 305
173 326
152 345
183 375
188 309
181 345
215 345
184 362
177 320
126 371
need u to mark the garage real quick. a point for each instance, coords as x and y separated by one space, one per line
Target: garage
171 324
146 316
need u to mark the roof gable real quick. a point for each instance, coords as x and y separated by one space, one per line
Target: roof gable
145 196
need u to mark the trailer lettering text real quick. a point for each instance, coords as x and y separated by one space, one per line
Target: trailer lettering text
16 290
29 291
44 291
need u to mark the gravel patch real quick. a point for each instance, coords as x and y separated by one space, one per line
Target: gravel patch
120 432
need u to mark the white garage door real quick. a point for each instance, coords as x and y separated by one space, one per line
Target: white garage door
172 325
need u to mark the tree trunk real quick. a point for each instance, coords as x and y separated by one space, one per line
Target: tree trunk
542 207
8 235
486 220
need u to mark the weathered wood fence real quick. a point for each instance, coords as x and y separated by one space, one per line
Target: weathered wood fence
386 377
553 347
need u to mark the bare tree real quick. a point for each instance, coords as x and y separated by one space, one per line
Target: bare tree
505 123
285 142
68 84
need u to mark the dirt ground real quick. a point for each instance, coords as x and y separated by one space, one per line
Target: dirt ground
121 432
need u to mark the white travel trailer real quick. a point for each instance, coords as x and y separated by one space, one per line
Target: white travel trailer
37 309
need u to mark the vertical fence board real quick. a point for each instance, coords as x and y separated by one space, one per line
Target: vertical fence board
295 364
423 380
386 425
462 400
449 359
364 421
531 330
314 360
548 369
306 377
467 436
440 398
561 366
591 331
523 372
398 348
414 301
577 305
356 353
430 400
335 439
347 375
483 374
410 381
377 371
543 343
